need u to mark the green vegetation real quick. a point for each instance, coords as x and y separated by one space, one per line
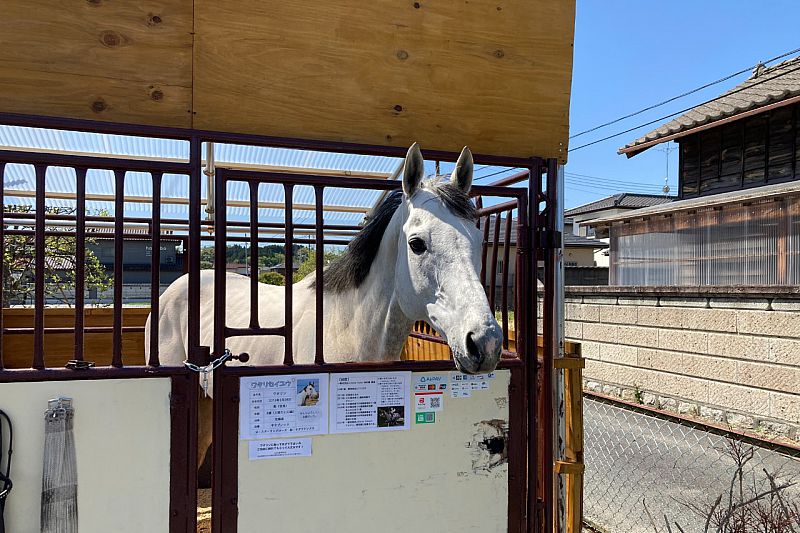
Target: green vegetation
271 278
19 263
309 265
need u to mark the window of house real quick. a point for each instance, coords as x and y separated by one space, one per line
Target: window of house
690 166
755 132
781 144
709 159
730 166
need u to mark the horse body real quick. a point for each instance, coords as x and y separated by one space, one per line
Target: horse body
416 259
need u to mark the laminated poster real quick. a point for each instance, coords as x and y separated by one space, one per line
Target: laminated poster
272 449
370 401
283 406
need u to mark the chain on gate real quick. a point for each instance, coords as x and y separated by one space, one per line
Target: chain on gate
213 365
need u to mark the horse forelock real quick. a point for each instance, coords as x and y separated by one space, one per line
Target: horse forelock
351 269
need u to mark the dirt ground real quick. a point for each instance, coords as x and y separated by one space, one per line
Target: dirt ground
204 511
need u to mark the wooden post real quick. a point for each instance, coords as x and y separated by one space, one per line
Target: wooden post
572 465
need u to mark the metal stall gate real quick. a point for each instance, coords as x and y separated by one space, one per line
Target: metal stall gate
134 424
481 464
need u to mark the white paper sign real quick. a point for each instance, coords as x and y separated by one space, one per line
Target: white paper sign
370 401
429 392
462 385
283 406
271 449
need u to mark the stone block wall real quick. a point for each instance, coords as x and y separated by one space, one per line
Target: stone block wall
731 355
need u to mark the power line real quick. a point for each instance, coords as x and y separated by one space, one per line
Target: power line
665 117
496 173
682 95
619 183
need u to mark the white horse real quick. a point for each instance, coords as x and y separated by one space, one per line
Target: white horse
307 396
417 258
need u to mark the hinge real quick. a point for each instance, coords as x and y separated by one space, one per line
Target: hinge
547 239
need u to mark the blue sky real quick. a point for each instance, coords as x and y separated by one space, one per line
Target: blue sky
631 54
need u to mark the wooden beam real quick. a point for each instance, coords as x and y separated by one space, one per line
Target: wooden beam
98 60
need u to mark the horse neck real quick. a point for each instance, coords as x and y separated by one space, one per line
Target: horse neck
367 321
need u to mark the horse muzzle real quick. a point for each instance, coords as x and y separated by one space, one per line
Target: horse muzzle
481 350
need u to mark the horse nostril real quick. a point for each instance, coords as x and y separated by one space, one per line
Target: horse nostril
472 349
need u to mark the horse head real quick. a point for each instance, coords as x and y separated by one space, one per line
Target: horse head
438 260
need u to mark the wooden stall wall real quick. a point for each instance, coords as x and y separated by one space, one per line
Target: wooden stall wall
58 347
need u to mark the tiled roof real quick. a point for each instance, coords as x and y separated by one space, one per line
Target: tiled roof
570 240
764 87
625 200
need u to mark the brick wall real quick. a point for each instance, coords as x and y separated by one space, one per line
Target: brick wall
731 355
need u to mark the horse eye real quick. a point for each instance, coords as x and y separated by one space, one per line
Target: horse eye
417 245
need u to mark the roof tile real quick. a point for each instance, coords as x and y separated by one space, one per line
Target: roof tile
770 85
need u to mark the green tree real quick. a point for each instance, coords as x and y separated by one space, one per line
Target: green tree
207 257
309 265
19 263
271 278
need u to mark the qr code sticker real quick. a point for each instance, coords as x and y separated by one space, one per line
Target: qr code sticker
436 402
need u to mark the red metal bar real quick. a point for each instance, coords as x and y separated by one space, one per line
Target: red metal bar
493 266
517 452
170 236
155 271
144 220
549 326
225 470
28 375
195 179
319 356
39 271
119 215
35 121
220 259
254 255
80 259
379 366
497 208
506 268
484 244
247 332
86 330
2 256
512 179
288 191
183 453
84 161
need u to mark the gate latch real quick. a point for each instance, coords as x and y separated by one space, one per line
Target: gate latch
213 365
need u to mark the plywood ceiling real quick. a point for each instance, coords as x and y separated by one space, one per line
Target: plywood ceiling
494 75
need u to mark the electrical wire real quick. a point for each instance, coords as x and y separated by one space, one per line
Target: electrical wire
665 117
687 93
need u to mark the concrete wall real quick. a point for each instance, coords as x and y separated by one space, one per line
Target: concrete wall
731 355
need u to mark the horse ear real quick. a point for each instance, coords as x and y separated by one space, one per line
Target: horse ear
413 170
462 174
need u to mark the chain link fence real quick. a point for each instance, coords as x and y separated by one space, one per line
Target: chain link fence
645 470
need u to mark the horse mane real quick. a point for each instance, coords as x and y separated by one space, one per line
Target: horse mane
351 269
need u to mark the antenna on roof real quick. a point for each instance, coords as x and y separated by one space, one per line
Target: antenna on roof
668 148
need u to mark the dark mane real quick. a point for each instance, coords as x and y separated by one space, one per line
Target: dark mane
351 269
